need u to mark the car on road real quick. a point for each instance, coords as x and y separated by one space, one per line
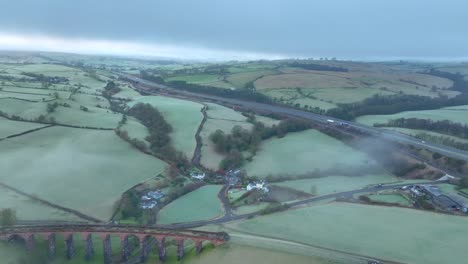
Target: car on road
380 185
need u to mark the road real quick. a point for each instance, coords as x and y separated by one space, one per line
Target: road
229 217
297 113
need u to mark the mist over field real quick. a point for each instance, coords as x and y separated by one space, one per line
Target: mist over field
242 30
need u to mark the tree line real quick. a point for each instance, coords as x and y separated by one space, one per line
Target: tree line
159 130
241 139
444 126
317 67
245 94
391 104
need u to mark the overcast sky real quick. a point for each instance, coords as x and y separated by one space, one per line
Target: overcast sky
358 29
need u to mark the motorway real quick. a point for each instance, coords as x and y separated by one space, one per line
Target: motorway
297 113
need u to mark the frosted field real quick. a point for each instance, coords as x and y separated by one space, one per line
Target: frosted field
201 204
302 152
94 117
333 184
8 127
184 116
397 234
28 209
457 114
76 168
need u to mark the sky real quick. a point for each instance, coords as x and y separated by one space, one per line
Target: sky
240 29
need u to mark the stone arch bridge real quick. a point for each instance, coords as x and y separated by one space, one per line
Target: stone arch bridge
145 235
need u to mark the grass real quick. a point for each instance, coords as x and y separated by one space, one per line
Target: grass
349 87
414 132
390 198
94 117
455 114
28 209
76 168
200 204
184 116
135 129
333 184
396 234
8 128
216 111
302 152
223 118
240 80
196 78
245 209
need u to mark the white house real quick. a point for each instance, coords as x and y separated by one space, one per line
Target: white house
198 176
257 186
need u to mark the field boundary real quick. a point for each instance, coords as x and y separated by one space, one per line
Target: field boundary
26 132
50 204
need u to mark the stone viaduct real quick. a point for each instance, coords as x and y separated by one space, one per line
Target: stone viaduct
146 236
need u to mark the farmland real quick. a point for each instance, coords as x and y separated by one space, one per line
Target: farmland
200 204
440 237
64 161
218 117
332 184
29 209
184 117
8 128
390 198
456 114
302 152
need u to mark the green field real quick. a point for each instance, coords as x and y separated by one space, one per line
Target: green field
28 209
414 132
390 198
302 152
86 170
201 204
333 184
94 117
391 233
223 118
240 80
184 116
196 78
8 128
457 114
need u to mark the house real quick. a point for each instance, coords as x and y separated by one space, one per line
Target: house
155 195
145 198
233 177
257 186
198 176
148 204
432 190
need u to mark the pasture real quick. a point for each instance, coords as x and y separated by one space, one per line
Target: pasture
196 78
397 234
184 116
76 168
334 184
96 117
201 204
414 132
302 152
348 87
28 209
390 198
240 80
456 114
223 118
8 127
